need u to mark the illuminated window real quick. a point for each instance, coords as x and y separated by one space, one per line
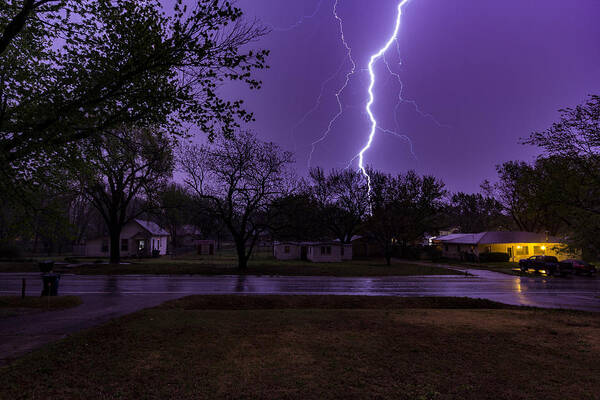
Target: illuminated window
522 250
141 245
539 250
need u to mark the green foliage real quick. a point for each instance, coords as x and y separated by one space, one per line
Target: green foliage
73 69
568 176
116 169
475 213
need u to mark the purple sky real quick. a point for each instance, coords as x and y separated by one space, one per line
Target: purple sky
490 72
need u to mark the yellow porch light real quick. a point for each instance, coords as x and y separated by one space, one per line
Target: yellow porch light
518 247
543 247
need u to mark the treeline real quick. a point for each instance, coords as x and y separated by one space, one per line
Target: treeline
246 189
92 131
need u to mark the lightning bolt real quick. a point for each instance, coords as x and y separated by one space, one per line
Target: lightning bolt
401 99
339 92
301 20
317 102
381 54
373 59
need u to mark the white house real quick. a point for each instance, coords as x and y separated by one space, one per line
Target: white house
138 238
313 251
517 245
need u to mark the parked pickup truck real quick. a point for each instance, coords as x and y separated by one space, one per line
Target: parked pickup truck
545 264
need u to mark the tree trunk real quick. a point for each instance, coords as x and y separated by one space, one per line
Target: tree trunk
115 246
388 258
241 254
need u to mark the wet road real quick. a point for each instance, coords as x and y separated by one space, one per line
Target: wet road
571 292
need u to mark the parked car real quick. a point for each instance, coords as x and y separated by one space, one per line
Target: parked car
580 266
545 264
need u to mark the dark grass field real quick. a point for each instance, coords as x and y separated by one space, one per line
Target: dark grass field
15 305
225 264
320 347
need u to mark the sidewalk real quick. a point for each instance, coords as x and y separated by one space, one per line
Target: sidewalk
23 333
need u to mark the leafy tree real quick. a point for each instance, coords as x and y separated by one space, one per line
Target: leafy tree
572 164
72 69
403 209
241 177
528 193
342 199
476 212
174 210
119 168
297 217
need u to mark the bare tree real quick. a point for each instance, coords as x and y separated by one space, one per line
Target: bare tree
241 178
119 167
343 200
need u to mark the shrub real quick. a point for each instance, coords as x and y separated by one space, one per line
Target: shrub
493 257
9 252
434 253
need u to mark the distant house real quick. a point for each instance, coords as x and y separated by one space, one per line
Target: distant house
188 236
363 246
138 238
313 251
205 247
517 245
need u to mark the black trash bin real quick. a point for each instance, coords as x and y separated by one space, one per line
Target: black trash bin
50 281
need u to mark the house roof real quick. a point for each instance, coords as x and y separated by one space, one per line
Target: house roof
189 230
151 227
497 237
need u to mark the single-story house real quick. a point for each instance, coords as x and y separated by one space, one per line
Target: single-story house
517 245
313 251
138 238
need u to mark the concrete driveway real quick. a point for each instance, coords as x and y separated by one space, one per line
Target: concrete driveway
107 297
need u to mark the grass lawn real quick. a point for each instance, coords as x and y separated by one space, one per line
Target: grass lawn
503 267
225 263
15 305
320 347
13 266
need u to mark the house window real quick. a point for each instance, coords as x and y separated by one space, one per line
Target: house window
141 245
325 250
342 249
286 249
539 250
124 245
522 250
104 246
488 249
